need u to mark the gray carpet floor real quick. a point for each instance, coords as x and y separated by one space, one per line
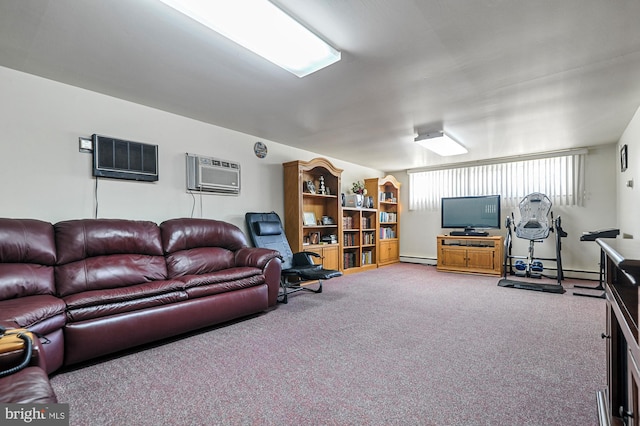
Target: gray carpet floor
400 345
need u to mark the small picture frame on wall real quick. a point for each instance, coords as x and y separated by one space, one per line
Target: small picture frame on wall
623 158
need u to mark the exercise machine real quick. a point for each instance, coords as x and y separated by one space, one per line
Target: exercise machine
535 225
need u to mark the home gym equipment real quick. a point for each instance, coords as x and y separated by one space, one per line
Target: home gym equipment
536 223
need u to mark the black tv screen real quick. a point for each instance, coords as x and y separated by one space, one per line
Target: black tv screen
481 212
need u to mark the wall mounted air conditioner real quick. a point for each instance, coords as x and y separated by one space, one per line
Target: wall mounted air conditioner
213 175
121 159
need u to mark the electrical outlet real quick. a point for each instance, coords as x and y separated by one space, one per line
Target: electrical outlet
86 145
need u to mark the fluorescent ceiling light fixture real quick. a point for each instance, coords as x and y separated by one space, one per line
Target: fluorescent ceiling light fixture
441 144
263 28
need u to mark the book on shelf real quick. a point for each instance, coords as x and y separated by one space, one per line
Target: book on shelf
349 239
366 223
388 197
367 257
386 217
387 232
347 222
368 238
349 260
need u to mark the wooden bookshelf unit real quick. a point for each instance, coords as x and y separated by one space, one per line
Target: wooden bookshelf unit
312 208
472 255
359 236
386 199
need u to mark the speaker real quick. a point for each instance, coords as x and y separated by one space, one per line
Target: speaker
122 159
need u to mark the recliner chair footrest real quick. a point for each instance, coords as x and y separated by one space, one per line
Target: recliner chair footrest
321 274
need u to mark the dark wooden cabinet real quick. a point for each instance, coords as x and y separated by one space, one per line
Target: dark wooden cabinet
621 401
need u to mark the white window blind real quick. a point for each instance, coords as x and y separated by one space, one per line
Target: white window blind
561 178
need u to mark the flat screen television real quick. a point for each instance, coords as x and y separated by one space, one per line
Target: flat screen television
471 213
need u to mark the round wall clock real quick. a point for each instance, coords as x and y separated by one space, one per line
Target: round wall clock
260 149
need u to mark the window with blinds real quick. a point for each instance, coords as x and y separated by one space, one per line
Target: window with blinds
561 178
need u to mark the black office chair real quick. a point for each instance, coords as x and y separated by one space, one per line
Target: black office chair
298 269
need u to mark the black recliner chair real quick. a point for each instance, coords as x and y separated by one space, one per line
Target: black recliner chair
298 269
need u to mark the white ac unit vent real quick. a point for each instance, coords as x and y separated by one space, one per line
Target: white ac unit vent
208 174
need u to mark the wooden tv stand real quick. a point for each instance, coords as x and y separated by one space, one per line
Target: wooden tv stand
472 255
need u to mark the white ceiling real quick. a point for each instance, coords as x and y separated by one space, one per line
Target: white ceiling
503 77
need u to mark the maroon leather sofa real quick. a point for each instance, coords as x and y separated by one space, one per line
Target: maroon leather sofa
92 287
27 288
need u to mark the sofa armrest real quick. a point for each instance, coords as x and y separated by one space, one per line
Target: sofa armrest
14 358
269 261
254 256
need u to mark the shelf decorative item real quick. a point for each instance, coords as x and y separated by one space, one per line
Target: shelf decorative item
358 188
308 219
311 186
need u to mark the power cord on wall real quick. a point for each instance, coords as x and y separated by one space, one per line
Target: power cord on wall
95 197
193 206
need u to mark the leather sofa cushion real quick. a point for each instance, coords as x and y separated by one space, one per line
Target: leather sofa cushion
188 233
27 241
100 303
227 275
32 310
122 294
104 272
98 254
207 289
83 238
201 260
25 279
27 256
140 304
29 385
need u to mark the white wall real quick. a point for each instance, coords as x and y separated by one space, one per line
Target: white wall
419 228
44 176
628 197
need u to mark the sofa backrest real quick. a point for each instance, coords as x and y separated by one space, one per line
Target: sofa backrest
27 256
200 246
97 254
